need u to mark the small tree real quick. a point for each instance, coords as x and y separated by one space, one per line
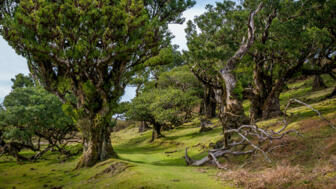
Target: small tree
167 100
31 114
174 106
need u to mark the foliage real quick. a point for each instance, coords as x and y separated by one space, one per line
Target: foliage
31 113
174 106
90 50
170 100
153 168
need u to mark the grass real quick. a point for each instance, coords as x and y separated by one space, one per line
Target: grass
303 162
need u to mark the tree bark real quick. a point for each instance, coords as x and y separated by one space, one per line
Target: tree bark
208 106
96 140
256 108
156 131
233 114
271 106
318 83
234 111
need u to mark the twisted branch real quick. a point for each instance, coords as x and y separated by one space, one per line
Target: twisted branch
249 133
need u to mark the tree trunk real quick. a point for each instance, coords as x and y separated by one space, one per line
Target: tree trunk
271 106
143 127
156 131
256 108
265 99
318 83
208 106
234 111
227 119
96 139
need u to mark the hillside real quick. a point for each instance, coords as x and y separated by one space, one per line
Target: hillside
307 161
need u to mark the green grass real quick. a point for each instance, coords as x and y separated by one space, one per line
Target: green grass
149 166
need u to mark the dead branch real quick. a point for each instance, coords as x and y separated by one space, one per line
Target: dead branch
245 43
310 107
249 135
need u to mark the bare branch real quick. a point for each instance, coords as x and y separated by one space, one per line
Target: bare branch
309 106
256 133
246 43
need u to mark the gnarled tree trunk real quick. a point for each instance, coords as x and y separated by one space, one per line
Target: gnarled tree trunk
271 106
96 140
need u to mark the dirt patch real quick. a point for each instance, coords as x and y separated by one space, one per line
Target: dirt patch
314 124
114 169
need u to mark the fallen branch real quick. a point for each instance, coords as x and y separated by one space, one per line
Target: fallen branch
247 134
309 106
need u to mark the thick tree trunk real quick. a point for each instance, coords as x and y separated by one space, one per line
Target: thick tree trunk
234 111
256 108
96 140
318 83
156 131
265 99
271 107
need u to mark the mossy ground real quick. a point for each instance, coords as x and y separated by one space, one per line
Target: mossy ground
160 164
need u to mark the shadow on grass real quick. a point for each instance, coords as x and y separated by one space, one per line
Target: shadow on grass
176 161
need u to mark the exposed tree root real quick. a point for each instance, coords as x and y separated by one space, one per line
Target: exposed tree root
252 137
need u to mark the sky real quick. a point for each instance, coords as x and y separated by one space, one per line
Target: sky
12 64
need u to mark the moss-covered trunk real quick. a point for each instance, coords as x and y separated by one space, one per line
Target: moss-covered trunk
234 111
96 140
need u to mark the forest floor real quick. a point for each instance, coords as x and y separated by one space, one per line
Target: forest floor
307 161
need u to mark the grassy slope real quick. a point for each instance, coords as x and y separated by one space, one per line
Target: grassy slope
151 167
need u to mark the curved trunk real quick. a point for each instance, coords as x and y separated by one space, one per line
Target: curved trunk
234 111
96 140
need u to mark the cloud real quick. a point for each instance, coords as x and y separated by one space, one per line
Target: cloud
178 29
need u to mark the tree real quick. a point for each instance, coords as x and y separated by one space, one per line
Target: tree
152 73
224 41
90 49
166 101
277 59
139 110
30 114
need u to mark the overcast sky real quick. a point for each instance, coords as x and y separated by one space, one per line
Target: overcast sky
12 64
